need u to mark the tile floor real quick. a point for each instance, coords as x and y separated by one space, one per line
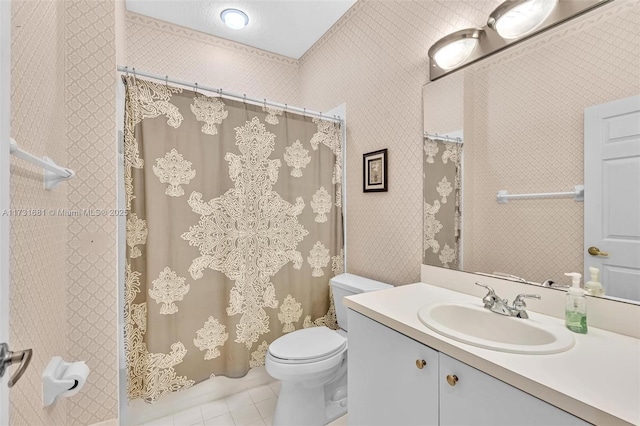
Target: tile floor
252 407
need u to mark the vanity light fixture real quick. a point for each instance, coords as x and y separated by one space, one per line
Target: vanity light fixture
234 18
515 18
455 48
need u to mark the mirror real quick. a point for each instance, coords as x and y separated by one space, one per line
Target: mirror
520 116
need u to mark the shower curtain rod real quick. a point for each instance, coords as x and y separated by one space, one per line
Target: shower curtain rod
244 98
442 138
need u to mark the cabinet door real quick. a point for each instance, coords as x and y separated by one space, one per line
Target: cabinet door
479 399
385 384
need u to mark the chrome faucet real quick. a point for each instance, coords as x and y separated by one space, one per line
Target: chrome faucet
500 306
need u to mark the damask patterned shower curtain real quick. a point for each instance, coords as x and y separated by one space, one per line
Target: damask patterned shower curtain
234 228
442 203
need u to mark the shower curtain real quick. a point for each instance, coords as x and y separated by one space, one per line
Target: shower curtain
234 228
442 203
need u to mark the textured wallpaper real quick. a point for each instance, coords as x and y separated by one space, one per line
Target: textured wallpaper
375 60
166 49
38 243
524 120
91 257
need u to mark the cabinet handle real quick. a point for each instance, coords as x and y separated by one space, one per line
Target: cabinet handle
420 363
452 379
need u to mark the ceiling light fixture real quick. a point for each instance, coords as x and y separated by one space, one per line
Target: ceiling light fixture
234 18
453 50
515 18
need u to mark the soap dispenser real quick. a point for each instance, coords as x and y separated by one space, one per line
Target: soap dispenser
594 287
575 313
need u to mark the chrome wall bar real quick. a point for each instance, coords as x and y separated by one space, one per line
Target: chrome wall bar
503 196
53 174
224 93
443 138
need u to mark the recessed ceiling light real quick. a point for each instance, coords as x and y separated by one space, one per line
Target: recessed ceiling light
451 51
234 18
515 18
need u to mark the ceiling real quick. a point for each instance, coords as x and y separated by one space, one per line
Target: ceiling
285 27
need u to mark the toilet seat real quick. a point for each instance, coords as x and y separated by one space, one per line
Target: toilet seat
307 345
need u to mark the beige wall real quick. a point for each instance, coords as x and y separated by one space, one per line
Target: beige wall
165 49
92 301
38 243
524 133
375 60
63 269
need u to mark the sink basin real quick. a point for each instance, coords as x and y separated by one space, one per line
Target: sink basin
473 324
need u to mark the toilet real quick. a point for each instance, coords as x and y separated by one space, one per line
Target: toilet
311 363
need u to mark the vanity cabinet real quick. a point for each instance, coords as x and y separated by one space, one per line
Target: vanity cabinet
476 398
389 384
388 387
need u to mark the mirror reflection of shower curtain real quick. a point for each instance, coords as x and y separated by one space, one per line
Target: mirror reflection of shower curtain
442 181
234 228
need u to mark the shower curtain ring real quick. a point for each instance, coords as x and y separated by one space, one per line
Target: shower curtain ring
196 87
166 81
126 70
244 98
265 103
286 106
304 112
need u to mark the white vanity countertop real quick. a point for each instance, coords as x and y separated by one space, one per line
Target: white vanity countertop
597 380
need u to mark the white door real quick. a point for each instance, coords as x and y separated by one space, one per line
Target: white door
612 195
5 68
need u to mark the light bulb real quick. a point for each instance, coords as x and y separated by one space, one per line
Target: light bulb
513 19
234 18
453 50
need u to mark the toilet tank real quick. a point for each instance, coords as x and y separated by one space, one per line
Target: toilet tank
346 285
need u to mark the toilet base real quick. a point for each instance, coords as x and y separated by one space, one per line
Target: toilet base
300 406
306 404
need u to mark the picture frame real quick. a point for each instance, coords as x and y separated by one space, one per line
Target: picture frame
374 176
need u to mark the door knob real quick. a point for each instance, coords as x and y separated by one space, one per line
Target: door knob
420 363
595 251
452 379
8 358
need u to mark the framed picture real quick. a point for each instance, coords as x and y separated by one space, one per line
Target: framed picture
375 171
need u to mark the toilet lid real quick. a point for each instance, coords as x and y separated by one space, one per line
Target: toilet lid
307 344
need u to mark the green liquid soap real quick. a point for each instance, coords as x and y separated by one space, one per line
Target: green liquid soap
576 322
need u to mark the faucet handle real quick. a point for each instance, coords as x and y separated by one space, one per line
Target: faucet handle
519 300
491 291
490 298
